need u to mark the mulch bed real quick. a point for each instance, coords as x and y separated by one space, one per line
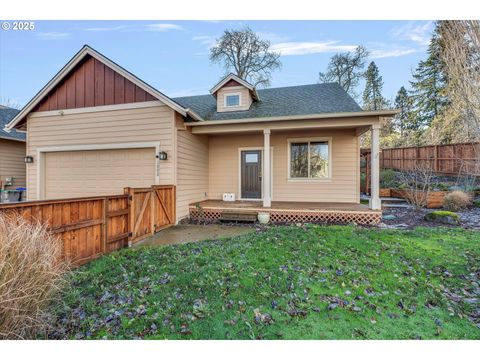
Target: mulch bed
410 217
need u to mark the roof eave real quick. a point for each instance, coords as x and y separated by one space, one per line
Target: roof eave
229 77
380 113
12 139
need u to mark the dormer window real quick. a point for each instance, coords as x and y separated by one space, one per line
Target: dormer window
234 94
232 100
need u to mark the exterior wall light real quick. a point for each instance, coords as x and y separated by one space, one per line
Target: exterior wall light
162 155
28 159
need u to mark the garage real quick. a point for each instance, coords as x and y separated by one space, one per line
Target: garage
97 172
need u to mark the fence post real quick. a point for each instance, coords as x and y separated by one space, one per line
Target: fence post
153 210
131 213
436 159
104 225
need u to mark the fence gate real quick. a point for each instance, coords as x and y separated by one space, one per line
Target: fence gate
151 209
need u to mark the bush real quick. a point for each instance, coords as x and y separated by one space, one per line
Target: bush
476 203
456 200
31 272
388 179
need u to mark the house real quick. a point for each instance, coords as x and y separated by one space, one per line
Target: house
96 128
12 152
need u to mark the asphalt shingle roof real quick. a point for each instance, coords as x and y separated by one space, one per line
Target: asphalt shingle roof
283 101
7 114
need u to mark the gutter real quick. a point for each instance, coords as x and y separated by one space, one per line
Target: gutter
383 113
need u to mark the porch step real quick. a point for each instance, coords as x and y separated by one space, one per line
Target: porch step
399 205
392 200
238 215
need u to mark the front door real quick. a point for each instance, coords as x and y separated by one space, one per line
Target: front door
251 175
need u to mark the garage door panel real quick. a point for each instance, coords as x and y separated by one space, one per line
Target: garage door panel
97 172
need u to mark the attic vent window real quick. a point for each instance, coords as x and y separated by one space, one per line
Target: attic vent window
232 100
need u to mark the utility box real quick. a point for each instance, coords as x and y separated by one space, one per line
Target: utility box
229 197
9 181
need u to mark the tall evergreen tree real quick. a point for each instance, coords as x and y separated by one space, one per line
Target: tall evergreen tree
404 120
372 95
429 84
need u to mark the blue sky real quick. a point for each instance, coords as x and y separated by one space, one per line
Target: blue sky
173 55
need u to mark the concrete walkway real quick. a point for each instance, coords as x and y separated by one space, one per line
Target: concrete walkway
190 233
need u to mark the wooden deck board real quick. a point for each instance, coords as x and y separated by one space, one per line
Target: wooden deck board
282 205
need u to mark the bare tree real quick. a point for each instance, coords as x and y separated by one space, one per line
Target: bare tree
461 57
346 69
245 54
10 103
417 182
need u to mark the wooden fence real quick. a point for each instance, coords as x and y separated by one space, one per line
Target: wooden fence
451 159
92 226
151 210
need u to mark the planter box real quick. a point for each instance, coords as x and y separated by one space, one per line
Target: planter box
433 201
385 192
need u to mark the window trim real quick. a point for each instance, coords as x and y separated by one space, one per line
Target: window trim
239 94
308 179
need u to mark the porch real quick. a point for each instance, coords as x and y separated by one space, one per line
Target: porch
288 211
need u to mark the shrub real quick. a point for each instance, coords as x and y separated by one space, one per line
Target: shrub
476 203
31 272
388 179
456 200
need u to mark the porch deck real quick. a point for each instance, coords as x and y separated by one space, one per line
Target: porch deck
286 211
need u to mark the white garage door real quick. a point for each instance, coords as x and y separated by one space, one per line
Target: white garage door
97 172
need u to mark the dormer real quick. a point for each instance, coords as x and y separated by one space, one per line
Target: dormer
234 94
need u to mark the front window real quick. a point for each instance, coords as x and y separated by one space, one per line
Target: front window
232 100
309 159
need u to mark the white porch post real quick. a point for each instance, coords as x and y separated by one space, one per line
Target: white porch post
267 200
375 202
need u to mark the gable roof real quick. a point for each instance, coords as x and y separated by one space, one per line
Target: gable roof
237 79
6 115
79 56
283 101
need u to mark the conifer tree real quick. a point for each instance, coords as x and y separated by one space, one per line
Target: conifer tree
372 95
429 84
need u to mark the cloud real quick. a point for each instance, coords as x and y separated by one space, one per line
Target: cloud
272 37
53 35
413 31
305 48
207 40
162 27
388 53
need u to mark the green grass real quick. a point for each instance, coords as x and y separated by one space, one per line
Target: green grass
311 282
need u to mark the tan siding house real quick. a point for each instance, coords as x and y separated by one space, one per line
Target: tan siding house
252 148
12 152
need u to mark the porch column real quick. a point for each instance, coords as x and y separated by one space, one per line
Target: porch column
267 201
375 202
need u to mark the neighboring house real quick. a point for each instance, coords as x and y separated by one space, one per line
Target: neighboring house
95 128
12 152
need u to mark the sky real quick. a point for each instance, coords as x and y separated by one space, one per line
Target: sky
172 56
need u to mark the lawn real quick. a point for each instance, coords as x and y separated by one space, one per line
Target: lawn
292 282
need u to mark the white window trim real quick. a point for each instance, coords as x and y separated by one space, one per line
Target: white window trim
313 139
263 163
41 151
239 94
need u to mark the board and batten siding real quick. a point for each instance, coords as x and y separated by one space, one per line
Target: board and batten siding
146 124
192 169
12 154
342 187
